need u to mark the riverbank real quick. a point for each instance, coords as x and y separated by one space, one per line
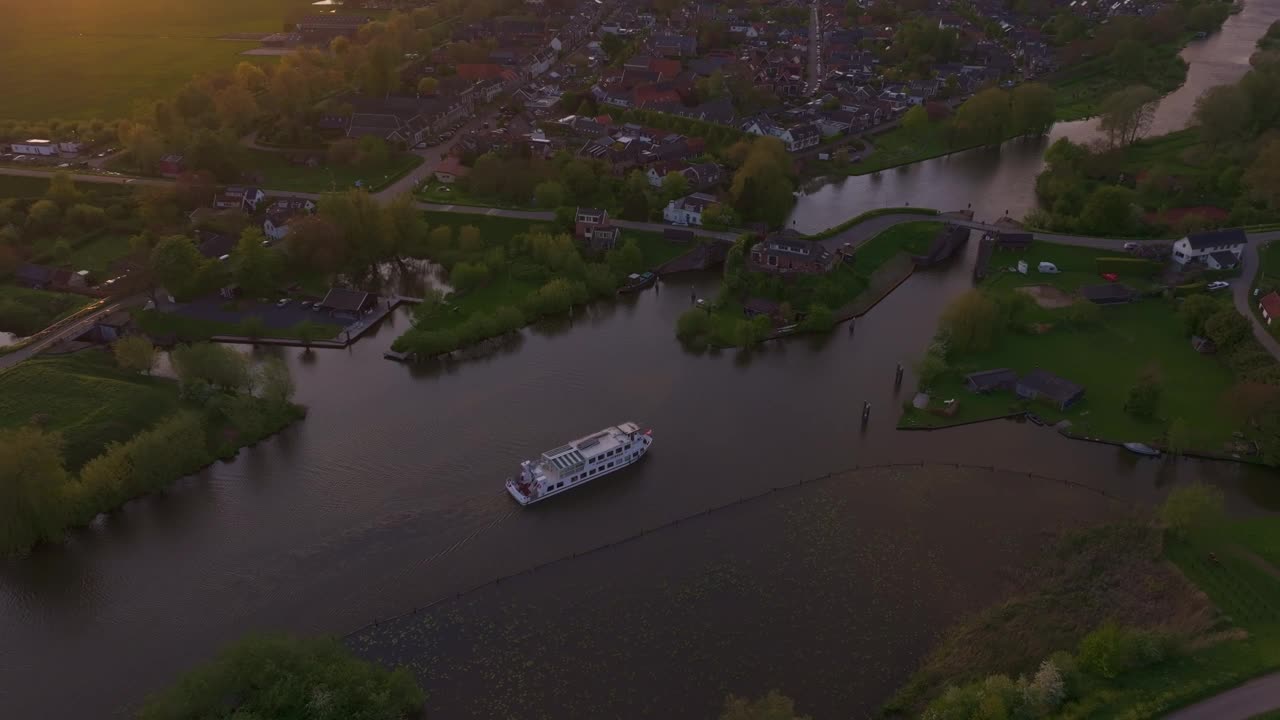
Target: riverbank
669 623
88 435
1133 620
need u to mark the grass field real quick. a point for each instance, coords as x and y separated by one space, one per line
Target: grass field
87 58
96 254
86 398
280 174
1077 265
24 311
1079 90
1106 360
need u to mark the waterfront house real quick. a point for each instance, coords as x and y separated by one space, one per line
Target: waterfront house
172 165
788 252
987 381
587 219
1044 385
1109 294
283 212
347 304
1270 306
451 170
1218 249
688 209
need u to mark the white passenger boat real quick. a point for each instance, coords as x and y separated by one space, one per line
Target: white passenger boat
579 462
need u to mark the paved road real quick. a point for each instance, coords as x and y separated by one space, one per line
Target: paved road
815 49
1239 703
65 332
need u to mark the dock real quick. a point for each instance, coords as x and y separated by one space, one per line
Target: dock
346 336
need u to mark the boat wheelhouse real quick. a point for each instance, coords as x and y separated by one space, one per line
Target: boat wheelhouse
579 462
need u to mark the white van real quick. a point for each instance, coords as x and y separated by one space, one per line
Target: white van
1047 267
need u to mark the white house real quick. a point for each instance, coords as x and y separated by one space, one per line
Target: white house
795 138
1218 249
283 212
688 209
35 146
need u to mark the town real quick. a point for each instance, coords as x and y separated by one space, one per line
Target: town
289 286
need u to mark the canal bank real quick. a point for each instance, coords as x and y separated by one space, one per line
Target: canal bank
993 181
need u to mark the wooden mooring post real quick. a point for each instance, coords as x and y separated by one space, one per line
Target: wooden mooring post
866 412
897 376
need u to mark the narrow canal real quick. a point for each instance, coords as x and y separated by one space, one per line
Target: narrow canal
389 494
998 180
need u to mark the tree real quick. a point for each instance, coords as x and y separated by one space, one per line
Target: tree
62 190
984 117
218 153
275 383
1263 176
315 242
762 187
276 676
253 265
971 322
1109 210
428 86
1203 17
468 276
215 365
1226 328
253 327
626 259
32 480
134 353
773 706
1195 310
250 77
1031 109
1224 114
1129 58
175 263
674 186
87 217
1143 400
549 194
43 216
1192 506
1126 114
143 145
916 121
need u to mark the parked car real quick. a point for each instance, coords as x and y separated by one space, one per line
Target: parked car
1131 246
1218 285
282 302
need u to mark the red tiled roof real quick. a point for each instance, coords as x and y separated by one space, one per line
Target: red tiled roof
668 68
1271 304
452 166
646 94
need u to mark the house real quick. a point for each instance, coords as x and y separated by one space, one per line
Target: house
347 304
789 252
283 212
214 245
675 45
1109 294
39 277
1270 306
795 138
240 198
1222 260
688 209
35 147
755 306
991 380
321 29
172 165
1201 246
588 219
450 170
1044 385
602 238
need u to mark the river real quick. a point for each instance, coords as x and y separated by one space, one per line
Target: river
389 494
996 181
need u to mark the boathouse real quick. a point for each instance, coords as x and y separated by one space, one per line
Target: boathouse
1044 385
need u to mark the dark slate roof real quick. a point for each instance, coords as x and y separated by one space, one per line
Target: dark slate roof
992 379
1108 292
36 274
344 299
1226 258
1008 238
1047 384
1217 238
214 245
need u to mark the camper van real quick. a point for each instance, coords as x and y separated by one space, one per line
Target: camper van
1048 267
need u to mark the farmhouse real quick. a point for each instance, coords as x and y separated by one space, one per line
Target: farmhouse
1044 385
1218 249
788 252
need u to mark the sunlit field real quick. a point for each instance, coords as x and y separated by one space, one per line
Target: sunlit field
78 59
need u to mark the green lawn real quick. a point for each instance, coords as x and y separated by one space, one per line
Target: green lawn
191 329
280 174
24 311
436 192
913 238
1105 360
1078 90
88 58
1269 263
487 224
899 147
96 254
86 398
20 186
1078 266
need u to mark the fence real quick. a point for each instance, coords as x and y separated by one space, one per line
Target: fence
673 523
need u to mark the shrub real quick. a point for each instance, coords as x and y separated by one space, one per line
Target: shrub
818 319
971 322
693 324
1111 650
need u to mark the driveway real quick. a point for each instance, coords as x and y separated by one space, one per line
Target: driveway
1239 703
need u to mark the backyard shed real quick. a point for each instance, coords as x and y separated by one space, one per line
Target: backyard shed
991 380
346 303
1044 385
1109 293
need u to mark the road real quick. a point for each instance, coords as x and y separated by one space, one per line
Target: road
815 49
1239 703
65 332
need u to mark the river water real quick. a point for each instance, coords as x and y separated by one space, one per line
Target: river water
996 181
389 494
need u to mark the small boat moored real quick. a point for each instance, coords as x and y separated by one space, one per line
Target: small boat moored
579 462
1141 449
638 281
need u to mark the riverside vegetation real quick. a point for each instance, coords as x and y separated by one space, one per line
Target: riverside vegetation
806 302
82 434
1223 172
1131 619
1172 396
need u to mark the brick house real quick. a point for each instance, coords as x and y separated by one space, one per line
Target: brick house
789 252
